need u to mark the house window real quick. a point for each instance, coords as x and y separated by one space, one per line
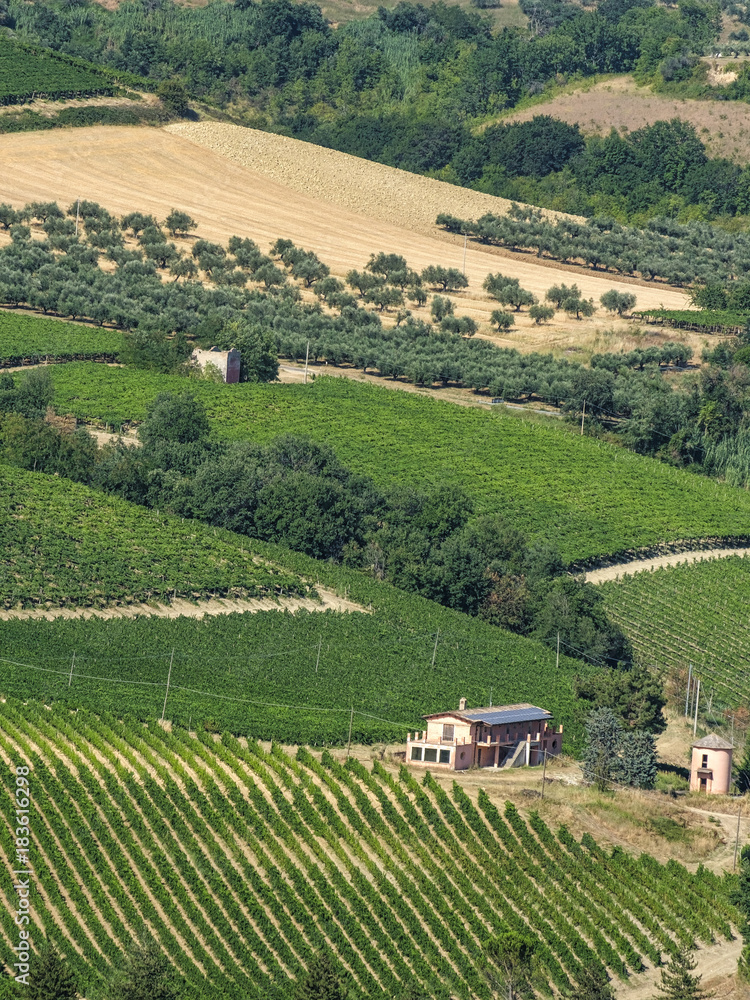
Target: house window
416 753
705 760
447 731
430 755
445 756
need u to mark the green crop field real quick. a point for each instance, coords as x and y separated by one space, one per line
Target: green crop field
66 545
589 497
28 339
243 864
293 677
26 72
691 614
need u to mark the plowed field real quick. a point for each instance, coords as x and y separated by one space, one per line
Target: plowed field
235 180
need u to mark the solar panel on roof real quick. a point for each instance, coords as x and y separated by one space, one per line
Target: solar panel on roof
509 715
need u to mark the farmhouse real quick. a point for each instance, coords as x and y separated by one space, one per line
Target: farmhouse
227 362
499 736
711 766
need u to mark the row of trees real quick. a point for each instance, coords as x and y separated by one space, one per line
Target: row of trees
681 254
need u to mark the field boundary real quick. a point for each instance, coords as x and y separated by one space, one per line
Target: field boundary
681 556
329 601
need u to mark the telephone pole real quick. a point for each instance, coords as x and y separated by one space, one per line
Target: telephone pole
557 660
583 416
737 839
687 696
317 661
71 669
169 677
307 356
697 700
349 742
464 254
434 651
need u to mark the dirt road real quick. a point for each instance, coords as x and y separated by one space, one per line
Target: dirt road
672 559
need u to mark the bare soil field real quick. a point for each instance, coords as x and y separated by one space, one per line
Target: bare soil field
236 180
617 102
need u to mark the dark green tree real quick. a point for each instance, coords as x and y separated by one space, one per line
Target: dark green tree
678 981
510 965
179 222
592 984
322 981
602 741
176 419
173 96
50 978
636 696
146 974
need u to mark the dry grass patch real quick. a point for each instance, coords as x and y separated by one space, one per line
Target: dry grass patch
617 102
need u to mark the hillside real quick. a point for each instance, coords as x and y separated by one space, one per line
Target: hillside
66 545
243 864
338 206
618 102
591 498
684 614
73 548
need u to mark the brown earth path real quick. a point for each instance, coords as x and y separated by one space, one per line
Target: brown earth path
182 608
236 180
607 573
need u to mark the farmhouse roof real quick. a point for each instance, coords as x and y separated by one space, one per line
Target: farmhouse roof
713 742
495 715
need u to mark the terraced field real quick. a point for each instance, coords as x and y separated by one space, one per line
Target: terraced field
696 614
591 498
244 864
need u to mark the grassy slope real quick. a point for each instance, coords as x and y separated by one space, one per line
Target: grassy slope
239 672
587 496
688 613
244 864
29 337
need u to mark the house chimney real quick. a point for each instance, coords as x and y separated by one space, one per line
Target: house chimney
462 705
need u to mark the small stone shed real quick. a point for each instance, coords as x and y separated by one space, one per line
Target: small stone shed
228 362
711 767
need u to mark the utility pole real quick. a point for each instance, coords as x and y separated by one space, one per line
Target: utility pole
169 677
583 416
78 208
307 356
464 254
320 643
349 743
737 839
71 669
697 700
557 660
434 651
490 697
687 696
544 771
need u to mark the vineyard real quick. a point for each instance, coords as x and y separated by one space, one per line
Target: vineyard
695 613
65 545
244 863
27 72
273 675
29 340
592 498
722 321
